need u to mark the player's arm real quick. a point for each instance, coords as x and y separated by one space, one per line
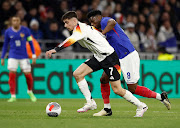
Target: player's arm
5 47
77 35
110 25
29 39
68 42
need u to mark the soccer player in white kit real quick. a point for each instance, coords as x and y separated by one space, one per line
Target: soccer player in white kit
16 36
104 58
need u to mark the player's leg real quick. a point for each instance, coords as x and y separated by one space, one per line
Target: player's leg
105 92
79 74
130 67
26 68
12 67
127 95
113 71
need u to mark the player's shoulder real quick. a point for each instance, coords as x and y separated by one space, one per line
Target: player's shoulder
24 28
79 27
9 29
105 19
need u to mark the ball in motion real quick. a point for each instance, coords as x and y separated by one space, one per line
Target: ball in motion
53 109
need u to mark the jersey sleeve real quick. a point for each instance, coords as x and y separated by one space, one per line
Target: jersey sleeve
77 35
29 39
5 45
104 22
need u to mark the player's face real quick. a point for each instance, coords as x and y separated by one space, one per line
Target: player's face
16 22
95 21
69 24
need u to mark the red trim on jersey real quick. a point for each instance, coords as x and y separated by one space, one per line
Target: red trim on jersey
115 32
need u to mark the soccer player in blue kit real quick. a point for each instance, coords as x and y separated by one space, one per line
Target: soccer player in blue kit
129 62
16 36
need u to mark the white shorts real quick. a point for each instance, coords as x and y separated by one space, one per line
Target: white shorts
130 67
24 64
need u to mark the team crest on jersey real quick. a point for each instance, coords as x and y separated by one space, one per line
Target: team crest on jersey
22 35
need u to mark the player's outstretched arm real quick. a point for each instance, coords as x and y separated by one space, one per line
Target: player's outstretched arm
110 25
50 52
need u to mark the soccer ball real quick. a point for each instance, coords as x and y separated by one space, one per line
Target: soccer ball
53 109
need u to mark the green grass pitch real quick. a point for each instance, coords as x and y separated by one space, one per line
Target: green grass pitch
25 114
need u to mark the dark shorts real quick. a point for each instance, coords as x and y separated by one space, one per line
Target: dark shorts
110 65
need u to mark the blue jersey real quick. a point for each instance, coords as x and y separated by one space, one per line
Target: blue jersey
17 41
118 39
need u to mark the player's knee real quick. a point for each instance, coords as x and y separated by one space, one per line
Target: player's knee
132 88
77 75
104 80
116 91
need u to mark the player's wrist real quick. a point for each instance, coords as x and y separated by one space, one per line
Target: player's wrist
34 56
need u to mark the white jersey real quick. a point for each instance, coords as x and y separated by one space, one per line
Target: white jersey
88 37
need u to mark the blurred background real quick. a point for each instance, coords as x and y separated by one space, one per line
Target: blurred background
149 24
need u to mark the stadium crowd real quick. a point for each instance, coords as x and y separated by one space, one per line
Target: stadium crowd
148 23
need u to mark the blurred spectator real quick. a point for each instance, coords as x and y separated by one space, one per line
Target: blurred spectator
130 32
5 12
152 22
163 55
129 18
146 11
177 33
94 5
156 11
53 31
18 6
150 42
175 5
166 37
164 16
63 8
28 4
24 23
142 19
118 16
12 2
32 14
34 27
171 12
104 3
54 34
107 11
84 9
42 12
79 14
21 14
142 36
135 9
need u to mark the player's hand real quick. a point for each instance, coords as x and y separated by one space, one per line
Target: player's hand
33 61
2 62
50 52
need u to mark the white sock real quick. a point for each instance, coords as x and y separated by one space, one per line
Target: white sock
13 96
83 86
29 91
107 106
158 96
129 97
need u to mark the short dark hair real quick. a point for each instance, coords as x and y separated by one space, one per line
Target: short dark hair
69 15
93 13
